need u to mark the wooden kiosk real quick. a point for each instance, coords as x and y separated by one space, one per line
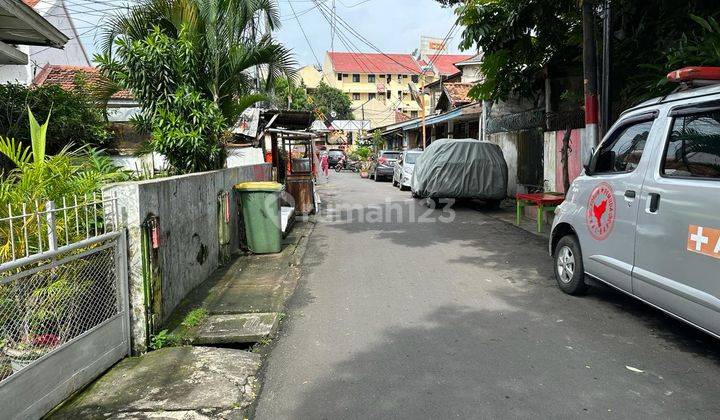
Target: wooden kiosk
293 155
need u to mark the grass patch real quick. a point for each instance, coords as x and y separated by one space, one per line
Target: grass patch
195 317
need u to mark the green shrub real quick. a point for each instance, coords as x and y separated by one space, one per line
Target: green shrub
77 119
163 339
39 176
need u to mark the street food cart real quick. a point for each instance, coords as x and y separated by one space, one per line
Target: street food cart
293 154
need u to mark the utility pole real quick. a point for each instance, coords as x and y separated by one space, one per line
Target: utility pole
332 28
606 97
422 108
255 24
590 139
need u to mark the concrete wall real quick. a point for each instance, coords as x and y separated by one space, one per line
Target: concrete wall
553 166
243 156
187 208
508 143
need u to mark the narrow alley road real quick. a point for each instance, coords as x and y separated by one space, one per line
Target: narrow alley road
420 318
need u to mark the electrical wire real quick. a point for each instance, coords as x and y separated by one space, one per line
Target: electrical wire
304 34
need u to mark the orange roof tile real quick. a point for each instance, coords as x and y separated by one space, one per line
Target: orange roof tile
66 76
345 62
458 92
445 63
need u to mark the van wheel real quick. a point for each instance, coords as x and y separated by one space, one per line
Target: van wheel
569 270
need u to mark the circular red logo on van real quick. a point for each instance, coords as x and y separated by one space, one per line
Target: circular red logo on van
600 214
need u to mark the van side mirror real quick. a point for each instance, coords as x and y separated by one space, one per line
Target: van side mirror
589 163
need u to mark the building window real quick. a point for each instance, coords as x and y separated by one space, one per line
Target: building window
371 96
388 94
356 96
389 78
415 78
400 95
356 78
413 114
339 77
404 76
371 78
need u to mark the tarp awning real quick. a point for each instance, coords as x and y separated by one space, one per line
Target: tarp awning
435 120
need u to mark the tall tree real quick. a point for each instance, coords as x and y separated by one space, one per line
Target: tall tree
164 50
519 39
289 95
327 100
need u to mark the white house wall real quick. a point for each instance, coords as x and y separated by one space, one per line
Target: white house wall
73 54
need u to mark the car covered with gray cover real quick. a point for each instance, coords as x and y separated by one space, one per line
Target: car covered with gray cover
461 168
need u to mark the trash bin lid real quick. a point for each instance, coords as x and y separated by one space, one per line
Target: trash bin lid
259 186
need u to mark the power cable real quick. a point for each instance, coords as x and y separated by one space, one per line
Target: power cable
364 40
304 34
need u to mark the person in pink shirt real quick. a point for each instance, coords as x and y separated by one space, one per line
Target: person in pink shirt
324 164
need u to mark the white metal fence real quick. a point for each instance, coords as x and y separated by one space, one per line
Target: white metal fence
31 229
63 300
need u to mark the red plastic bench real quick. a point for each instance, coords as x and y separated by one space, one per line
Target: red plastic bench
544 201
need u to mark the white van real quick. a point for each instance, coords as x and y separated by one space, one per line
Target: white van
644 217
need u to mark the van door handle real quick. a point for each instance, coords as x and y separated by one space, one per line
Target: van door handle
654 202
629 194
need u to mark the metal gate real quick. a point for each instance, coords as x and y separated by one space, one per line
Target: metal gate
530 151
64 315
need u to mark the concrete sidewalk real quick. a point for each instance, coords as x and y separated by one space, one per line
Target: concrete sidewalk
208 371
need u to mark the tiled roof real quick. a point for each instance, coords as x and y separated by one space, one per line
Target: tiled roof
344 62
458 92
66 76
445 63
400 117
31 3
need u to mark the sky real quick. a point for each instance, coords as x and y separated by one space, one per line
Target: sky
393 26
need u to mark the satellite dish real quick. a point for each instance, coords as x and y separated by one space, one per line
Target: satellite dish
333 114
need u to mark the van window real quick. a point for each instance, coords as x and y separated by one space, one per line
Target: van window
693 148
624 149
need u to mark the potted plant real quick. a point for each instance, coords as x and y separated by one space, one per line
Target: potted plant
29 348
49 315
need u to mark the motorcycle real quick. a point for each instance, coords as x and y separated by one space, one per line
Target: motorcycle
347 165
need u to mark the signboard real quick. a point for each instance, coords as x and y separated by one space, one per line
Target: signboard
247 124
437 46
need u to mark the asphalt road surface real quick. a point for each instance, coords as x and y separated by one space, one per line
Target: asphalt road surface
402 315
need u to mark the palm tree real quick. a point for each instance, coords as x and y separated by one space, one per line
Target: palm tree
223 47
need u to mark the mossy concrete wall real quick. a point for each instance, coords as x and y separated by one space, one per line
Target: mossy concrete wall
187 208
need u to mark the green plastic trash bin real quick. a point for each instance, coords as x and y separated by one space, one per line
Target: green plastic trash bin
261 213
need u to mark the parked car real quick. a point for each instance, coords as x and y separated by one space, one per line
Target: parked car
334 156
643 217
461 168
382 165
403 171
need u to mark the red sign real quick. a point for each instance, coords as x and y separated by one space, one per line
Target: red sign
600 215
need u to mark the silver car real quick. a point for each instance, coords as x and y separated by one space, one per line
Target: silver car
644 217
404 169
